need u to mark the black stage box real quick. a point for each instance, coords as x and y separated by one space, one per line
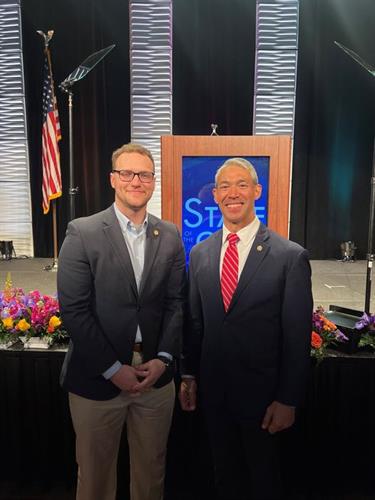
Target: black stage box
345 320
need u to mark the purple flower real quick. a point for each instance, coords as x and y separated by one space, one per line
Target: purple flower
5 313
365 321
318 321
340 336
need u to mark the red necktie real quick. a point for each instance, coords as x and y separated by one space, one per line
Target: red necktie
229 271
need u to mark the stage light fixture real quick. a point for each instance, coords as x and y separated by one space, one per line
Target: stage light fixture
7 250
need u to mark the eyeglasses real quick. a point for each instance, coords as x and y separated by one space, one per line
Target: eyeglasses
128 175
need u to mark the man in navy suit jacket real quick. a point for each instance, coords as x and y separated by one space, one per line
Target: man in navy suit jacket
251 357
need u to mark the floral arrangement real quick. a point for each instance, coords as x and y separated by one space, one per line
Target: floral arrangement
324 333
366 326
29 315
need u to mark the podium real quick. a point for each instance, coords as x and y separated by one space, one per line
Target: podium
189 164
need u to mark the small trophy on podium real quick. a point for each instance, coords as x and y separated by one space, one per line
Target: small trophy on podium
214 128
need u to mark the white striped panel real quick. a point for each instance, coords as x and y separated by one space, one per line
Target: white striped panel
10 39
151 71
151 115
9 191
151 24
15 197
10 74
151 79
277 24
275 72
13 157
275 66
12 118
275 115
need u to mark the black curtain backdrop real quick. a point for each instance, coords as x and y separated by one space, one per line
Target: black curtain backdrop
213 66
213 80
101 103
334 128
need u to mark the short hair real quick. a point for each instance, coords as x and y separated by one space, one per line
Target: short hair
132 148
239 162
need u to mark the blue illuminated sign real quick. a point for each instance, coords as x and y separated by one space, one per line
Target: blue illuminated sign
200 215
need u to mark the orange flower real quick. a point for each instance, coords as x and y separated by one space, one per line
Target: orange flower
53 323
23 325
329 325
316 340
8 322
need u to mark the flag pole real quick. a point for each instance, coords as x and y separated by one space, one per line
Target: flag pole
52 199
54 265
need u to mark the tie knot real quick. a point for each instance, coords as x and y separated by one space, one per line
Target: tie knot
232 239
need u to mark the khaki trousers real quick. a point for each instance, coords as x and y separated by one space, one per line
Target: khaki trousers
98 426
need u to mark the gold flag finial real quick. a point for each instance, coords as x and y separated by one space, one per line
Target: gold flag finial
47 37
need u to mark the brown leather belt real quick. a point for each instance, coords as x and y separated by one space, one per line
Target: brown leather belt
137 347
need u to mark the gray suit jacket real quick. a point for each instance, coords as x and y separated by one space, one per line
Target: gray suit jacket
259 350
101 306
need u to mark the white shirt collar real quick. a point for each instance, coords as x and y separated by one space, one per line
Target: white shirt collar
126 223
246 234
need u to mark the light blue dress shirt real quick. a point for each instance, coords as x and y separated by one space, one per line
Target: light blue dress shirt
135 239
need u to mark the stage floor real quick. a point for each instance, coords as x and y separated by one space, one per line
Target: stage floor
334 282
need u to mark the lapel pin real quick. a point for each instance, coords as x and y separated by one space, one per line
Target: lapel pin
259 248
156 232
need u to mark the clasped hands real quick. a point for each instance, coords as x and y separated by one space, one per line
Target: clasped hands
140 378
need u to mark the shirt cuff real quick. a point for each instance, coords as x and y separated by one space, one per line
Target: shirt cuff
188 376
166 355
112 370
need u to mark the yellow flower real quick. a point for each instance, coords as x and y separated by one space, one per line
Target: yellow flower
23 325
53 323
8 322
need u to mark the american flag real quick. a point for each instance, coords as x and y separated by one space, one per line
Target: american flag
51 134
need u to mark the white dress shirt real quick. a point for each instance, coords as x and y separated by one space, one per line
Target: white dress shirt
135 239
246 239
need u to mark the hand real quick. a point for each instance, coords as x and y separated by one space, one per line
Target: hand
149 372
125 379
188 394
278 417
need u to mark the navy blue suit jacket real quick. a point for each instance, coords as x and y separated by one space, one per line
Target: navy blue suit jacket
259 350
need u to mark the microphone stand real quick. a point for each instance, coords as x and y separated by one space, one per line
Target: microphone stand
370 254
66 86
73 190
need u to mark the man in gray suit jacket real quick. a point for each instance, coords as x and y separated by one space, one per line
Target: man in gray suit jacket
121 285
248 339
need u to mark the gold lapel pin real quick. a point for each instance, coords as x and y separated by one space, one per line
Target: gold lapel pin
259 248
156 232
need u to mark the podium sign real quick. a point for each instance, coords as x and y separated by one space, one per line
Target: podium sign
201 216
